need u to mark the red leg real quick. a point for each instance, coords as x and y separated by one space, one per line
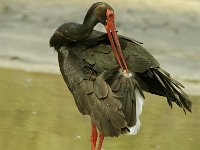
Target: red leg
93 136
101 138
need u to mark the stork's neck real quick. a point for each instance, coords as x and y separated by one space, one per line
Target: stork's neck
89 23
83 30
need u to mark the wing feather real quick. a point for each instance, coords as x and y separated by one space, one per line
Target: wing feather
93 96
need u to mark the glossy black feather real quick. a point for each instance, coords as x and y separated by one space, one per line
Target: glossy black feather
92 74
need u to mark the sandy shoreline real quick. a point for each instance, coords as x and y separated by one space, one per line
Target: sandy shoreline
169 30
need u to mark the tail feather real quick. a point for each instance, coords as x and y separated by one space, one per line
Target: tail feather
176 83
173 89
166 87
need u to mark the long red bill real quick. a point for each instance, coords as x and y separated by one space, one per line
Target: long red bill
114 41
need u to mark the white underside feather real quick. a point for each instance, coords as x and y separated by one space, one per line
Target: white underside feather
139 103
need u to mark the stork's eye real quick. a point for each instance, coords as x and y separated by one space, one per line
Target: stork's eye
110 15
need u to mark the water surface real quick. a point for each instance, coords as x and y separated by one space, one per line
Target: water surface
37 112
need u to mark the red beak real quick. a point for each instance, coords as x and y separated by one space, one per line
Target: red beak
114 41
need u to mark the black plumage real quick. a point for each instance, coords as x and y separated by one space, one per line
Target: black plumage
93 75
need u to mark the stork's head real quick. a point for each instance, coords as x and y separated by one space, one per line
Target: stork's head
104 13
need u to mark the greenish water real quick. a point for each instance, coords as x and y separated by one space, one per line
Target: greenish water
37 112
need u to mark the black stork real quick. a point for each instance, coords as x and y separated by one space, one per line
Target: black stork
107 74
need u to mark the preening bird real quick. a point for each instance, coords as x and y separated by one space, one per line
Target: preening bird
107 74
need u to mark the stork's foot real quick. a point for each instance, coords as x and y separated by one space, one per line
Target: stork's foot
101 138
94 135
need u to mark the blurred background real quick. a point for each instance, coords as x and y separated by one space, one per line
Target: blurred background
38 112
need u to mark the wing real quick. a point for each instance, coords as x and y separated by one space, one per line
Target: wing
152 78
93 96
148 73
139 59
